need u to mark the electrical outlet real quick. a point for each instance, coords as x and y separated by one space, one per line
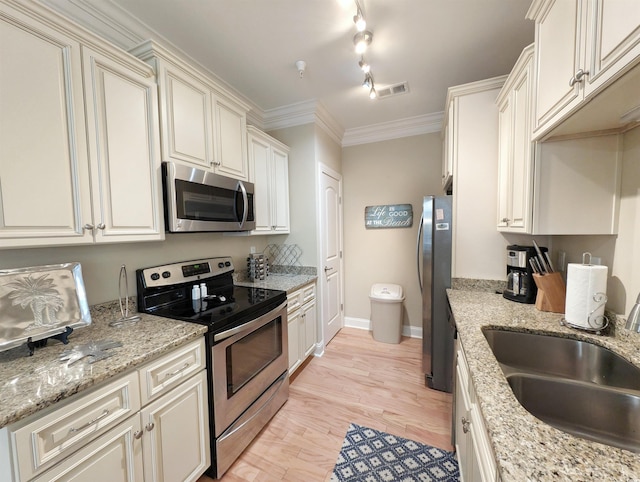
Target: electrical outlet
596 260
252 250
562 261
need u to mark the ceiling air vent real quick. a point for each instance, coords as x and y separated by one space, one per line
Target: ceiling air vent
395 89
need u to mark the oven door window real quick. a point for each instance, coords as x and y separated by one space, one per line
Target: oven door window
251 354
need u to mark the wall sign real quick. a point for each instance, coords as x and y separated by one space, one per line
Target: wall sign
388 216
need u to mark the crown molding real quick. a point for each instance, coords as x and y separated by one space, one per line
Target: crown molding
301 113
410 126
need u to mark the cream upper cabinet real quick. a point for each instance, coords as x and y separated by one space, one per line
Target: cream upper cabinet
515 154
231 139
202 124
44 172
71 170
269 171
187 119
124 150
582 46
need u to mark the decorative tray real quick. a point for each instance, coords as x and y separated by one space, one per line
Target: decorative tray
40 302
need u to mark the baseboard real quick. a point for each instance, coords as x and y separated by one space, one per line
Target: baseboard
365 324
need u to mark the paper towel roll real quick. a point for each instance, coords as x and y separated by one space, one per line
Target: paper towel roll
584 282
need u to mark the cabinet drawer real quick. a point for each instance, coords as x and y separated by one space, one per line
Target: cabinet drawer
159 376
308 293
294 301
41 443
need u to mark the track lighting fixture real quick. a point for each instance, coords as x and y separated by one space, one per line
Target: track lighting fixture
362 40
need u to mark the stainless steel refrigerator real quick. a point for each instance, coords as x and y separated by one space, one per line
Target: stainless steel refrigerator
434 274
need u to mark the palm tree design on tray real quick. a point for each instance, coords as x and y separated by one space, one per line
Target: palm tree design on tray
40 294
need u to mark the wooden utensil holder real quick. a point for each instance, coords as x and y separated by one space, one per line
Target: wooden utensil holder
551 292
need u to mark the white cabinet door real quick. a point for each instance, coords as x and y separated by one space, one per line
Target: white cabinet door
280 191
230 138
114 457
123 133
515 155
269 171
293 325
259 163
185 108
614 40
44 173
308 326
559 55
176 433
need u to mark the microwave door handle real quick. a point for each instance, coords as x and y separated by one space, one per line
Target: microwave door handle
245 203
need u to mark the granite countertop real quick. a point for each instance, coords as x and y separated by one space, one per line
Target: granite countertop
280 281
526 448
29 384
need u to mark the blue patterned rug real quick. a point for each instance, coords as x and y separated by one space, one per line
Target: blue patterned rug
368 455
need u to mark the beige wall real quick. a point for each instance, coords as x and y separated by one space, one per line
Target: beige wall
620 253
101 263
390 172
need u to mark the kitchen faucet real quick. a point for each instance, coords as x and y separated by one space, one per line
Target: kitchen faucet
633 322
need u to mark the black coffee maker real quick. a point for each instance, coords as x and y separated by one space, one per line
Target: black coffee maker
520 284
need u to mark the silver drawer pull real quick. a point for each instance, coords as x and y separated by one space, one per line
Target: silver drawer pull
465 425
137 434
150 426
88 424
173 374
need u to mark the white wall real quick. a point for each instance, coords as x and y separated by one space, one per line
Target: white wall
620 253
390 172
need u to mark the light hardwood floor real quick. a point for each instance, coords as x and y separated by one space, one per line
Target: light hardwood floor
357 380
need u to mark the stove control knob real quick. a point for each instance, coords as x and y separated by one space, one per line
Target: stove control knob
166 274
222 298
155 276
220 264
227 263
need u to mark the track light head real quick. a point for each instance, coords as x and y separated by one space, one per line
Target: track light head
359 20
366 68
362 40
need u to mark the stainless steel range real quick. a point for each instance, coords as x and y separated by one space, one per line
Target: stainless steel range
247 355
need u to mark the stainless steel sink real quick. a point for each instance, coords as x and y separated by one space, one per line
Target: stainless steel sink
561 357
608 416
576 386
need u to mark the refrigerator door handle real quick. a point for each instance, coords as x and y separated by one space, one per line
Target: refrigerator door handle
418 246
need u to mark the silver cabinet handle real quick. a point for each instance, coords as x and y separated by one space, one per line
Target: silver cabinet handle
89 227
88 424
150 426
326 268
579 77
181 369
137 434
465 425
505 220
101 226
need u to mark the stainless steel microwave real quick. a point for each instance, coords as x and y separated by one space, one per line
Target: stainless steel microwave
197 201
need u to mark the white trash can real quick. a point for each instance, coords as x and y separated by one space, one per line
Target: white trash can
386 312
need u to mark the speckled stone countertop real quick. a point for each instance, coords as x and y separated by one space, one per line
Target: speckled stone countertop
29 384
525 448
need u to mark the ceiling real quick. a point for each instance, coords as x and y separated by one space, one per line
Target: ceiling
253 46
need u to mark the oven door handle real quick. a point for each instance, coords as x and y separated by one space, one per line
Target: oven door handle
248 327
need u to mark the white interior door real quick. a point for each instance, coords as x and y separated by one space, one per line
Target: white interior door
331 269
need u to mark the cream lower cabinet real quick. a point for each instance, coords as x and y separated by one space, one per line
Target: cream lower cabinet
269 171
70 175
148 425
475 457
302 325
202 125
